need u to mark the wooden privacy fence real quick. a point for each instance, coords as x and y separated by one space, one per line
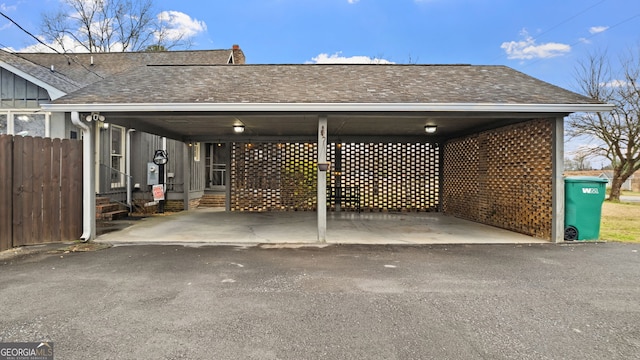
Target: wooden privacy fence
40 190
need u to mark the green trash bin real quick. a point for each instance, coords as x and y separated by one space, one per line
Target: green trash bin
583 207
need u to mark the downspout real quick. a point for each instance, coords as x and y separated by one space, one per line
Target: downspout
88 184
128 168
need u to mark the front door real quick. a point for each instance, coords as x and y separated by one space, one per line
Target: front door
216 166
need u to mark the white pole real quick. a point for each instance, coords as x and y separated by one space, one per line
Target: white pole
322 180
557 230
88 182
128 168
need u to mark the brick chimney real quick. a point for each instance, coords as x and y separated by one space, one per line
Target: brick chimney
238 55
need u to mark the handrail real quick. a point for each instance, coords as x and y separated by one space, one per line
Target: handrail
113 184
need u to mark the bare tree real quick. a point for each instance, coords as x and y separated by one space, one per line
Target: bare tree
617 132
579 161
107 26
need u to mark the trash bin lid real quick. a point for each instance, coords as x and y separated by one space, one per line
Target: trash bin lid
576 179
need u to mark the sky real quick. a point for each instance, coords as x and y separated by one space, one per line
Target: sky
542 38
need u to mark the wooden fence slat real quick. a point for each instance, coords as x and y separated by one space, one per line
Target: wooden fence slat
65 189
56 149
6 192
18 192
71 198
28 190
77 188
37 209
49 211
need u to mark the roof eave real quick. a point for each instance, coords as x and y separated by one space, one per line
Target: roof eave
330 107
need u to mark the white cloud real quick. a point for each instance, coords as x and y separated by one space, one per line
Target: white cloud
528 49
352 1
70 44
338 59
181 25
8 8
616 84
598 29
584 40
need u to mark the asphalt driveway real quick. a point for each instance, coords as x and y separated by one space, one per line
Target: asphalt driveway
538 301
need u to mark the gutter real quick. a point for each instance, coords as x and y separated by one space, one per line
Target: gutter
331 107
88 186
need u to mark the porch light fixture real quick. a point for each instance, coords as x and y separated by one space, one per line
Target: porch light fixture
160 157
324 166
430 129
238 129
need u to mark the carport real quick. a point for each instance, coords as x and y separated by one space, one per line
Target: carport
495 157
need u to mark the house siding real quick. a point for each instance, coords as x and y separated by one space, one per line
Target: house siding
181 187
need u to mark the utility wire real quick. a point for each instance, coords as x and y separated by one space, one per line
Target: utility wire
28 33
567 20
562 23
589 37
69 58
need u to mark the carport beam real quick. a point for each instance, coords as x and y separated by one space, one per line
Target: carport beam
322 180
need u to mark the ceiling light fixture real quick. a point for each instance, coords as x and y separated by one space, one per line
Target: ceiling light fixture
430 129
238 129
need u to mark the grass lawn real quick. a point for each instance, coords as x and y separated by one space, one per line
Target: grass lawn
620 222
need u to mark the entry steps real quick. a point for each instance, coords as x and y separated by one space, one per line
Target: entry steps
212 201
107 210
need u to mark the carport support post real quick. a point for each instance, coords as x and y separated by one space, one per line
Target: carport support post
322 180
557 227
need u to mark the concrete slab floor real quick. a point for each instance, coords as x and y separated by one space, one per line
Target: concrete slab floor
213 226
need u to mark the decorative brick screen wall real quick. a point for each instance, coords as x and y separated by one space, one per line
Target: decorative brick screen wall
502 177
283 177
272 177
389 176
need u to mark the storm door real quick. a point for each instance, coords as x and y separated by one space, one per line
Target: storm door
216 166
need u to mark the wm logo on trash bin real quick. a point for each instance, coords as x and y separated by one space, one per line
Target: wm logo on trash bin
590 191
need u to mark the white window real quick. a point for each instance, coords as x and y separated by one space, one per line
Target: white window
24 123
3 124
29 124
117 156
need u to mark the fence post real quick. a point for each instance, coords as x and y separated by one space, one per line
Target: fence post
6 192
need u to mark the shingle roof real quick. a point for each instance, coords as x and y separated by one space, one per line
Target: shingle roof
325 84
79 68
74 71
54 79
